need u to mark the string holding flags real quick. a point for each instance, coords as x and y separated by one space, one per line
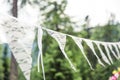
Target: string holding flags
20 38
107 59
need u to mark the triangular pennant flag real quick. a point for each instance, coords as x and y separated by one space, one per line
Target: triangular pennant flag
40 56
117 50
102 53
107 51
78 41
20 38
113 52
90 44
118 44
61 39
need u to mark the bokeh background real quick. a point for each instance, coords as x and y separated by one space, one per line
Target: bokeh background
91 19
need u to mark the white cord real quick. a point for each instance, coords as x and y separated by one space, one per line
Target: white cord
40 56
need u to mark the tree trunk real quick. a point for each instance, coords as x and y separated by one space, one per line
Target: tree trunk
13 65
13 69
14 8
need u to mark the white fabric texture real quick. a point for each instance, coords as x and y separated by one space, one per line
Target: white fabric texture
61 39
90 44
108 52
78 41
102 54
20 38
116 48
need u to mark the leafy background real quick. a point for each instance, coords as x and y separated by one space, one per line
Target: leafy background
56 66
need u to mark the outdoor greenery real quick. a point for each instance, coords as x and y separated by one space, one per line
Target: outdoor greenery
56 66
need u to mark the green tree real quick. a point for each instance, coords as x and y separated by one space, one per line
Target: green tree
109 33
56 66
55 19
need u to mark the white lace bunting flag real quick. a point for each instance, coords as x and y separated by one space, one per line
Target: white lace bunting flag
78 41
102 53
90 44
113 52
118 44
61 39
117 50
20 38
107 51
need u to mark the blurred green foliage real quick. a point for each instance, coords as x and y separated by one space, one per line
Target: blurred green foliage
56 66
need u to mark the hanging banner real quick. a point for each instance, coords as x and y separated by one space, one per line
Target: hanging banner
102 53
90 44
20 38
117 50
113 52
108 52
61 39
78 41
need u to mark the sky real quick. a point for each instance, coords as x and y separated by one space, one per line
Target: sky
98 11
